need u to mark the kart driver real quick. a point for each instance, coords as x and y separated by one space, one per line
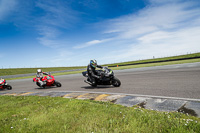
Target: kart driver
40 75
92 74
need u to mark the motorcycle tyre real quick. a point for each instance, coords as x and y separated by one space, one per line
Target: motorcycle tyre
38 84
58 84
43 86
114 82
9 87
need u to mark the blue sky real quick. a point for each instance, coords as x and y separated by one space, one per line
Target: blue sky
54 33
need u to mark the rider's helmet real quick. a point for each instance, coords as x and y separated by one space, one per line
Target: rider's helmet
93 63
39 70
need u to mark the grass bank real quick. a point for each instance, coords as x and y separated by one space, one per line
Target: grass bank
15 71
155 60
128 65
54 74
56 114
122 67
156 64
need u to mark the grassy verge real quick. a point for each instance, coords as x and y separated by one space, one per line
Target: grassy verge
48 114
16 71
157 64
5 72
122 67
54 74
158 59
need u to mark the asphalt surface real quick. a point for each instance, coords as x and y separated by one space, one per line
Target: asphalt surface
182 81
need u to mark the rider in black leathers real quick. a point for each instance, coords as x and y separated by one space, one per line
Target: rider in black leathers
92 74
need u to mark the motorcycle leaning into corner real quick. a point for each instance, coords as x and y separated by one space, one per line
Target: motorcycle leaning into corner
4 85
107 78
50 81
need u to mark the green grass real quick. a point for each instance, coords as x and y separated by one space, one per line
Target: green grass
55 114
156 64
54 74
122 67
16 71
157 59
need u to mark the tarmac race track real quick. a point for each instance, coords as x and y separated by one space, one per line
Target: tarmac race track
182 81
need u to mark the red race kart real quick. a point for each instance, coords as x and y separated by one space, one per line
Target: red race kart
4 85
50 81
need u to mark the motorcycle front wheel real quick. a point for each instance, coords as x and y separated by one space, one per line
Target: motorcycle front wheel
58 84
116 82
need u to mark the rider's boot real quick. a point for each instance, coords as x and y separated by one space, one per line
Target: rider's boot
88 81
41 83
44 84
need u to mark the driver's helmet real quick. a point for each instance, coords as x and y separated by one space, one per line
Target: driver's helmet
93 63
39 71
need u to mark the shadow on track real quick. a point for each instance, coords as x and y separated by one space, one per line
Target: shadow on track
3 90
98 87
47 87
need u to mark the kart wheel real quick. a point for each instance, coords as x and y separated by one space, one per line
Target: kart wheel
116 82
9 87
58 84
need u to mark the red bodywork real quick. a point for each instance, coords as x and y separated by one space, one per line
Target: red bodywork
50 80
4 85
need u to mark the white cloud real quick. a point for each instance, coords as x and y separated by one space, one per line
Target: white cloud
153 18
58 17
49 42
91 43
49 36
155 36
6 8
61 57
164 1
57 14
48 32
161 29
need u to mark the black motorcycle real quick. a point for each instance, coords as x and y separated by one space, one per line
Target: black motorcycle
107 78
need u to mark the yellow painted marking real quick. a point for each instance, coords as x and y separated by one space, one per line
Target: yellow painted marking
72 95
100 97
25 93
66 95
11 94
80 96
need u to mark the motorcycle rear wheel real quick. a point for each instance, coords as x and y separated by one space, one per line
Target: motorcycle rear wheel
116 82
9 87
